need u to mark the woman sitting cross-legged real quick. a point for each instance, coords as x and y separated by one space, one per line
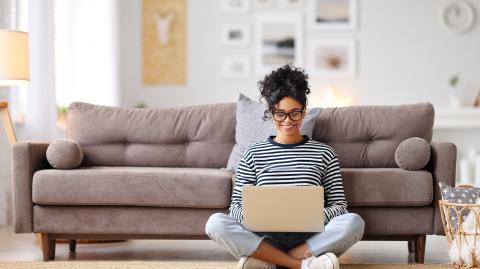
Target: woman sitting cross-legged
289 158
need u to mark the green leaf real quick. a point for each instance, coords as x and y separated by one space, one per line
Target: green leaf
140 105
454 80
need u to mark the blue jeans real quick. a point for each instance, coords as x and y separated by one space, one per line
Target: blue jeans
340 234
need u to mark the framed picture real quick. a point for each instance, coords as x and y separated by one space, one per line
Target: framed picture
278 40
291 3
259 4
234 6
236 35
236 67
332 57
164 42
334 14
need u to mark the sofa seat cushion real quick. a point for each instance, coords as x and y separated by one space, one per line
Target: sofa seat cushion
134 186
387 187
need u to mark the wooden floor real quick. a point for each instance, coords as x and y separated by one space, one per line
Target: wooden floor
24 247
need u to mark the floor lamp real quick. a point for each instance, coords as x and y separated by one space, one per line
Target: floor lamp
13 70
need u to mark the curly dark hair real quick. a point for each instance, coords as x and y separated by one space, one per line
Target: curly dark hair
286 81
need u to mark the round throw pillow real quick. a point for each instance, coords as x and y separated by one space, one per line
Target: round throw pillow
64 154
412 153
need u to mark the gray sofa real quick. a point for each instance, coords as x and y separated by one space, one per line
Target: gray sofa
157 173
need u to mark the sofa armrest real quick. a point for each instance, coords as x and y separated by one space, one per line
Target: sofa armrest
27 158
442 164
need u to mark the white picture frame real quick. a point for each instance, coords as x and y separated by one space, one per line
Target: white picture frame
234 6
263 4
236 67
273 33
236 34
289 4
333 14
332 58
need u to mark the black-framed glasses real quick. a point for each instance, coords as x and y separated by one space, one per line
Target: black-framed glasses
293 115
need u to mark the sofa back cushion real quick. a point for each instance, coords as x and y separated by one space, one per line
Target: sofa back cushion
194 136
204 135
367 136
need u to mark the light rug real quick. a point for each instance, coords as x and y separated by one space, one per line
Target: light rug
186 265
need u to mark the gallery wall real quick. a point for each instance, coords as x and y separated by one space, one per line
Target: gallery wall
404 54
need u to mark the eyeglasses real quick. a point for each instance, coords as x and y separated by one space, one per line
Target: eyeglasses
293 115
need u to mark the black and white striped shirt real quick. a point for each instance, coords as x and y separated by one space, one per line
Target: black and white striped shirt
308 162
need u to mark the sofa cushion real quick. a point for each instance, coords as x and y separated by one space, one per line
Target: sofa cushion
367 136
413 153
64 154
251 128
192 136
133 186
387 187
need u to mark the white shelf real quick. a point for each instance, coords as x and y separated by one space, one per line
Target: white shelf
458 118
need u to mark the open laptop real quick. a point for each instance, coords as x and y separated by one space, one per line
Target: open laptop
279 208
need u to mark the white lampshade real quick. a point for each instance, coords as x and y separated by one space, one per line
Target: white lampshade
13 57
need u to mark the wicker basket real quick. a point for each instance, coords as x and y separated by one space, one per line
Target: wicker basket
456 237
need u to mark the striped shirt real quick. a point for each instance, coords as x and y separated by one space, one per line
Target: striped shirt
308 162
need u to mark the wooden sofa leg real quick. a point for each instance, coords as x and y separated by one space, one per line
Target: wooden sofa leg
52 249
411 246
72 244
48 247
420 248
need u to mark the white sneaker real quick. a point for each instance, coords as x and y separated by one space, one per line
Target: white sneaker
325 261
252 263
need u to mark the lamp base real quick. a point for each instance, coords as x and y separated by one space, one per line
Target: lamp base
7 122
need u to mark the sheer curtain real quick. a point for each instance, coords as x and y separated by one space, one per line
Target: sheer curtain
74 56
87 54
40 119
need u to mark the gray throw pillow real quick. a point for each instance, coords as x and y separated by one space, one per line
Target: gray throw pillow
64 154
412 153
251 128
460 196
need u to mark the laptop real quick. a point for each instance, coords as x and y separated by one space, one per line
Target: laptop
279 208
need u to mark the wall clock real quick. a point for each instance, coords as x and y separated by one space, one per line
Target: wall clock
458 16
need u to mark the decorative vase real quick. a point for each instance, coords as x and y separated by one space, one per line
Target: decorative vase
454 99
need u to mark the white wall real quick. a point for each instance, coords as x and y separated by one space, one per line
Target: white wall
405 55
204 84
